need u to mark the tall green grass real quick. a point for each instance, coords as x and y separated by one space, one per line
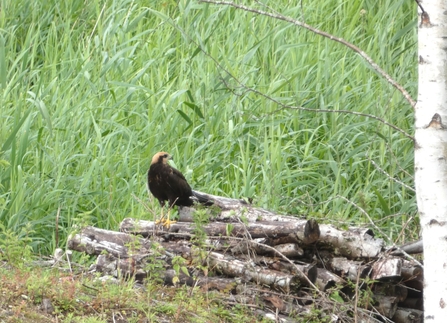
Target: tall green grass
91 90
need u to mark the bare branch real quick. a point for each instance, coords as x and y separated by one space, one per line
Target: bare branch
327 35
376 227
389 176
283 105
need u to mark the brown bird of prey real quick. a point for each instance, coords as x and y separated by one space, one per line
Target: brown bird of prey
168 184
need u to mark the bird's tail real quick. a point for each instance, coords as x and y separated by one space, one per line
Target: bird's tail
201 198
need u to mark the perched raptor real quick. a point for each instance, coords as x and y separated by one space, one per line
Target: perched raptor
168 184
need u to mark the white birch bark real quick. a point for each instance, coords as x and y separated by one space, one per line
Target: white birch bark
431 156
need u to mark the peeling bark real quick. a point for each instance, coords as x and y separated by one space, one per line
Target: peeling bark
430 155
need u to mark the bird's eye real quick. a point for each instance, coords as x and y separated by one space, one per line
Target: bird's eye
165 155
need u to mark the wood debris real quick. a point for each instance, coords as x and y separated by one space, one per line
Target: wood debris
280 265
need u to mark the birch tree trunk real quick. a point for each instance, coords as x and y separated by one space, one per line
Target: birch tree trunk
431 156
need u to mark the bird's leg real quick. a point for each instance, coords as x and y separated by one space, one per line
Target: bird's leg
167 223
162 216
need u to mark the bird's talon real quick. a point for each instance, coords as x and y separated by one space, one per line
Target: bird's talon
165 222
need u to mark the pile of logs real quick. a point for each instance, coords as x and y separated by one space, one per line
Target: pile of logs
291 265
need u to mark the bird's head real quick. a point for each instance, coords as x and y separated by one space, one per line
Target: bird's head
161 158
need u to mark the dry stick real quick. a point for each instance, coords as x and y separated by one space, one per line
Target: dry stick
389 176
261 245
364 212
403 229
397 163
420 6
356 300
339 111
376 227
324 34
57 226
69 262
286 106
281 255
147 208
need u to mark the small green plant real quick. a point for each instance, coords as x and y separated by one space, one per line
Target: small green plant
155 264
71 319
201 215
229 229
179 265
200 218
15 247
199 249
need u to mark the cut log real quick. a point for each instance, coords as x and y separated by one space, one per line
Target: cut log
408 315
326 279
259 247
232 267
391 289
409 248
389 268
349 269
290 250
414 303
254 230
415 286
401 292
220 201
122 268
233 210
129 252
94 241
410 270
352 244
310 235
305 273
385 305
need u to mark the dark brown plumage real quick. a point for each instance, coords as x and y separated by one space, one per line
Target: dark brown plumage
167 183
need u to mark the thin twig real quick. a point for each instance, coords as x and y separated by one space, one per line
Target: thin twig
282 105
356 296
57 226
389 176
377 228
370 116
358 207
327 35
397 161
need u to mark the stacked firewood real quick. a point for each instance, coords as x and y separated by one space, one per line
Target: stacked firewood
291 265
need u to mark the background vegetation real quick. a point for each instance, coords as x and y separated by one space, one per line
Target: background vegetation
90 90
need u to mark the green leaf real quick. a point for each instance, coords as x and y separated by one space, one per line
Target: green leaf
184 116
410 26
2 63
383 203
13 134
185 270
135 22
42 108
195 108
229 229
